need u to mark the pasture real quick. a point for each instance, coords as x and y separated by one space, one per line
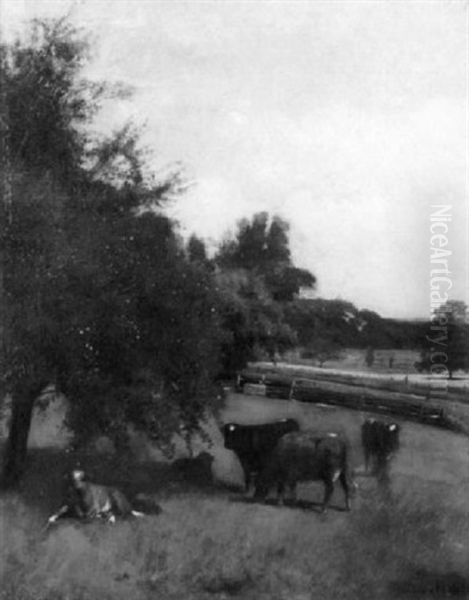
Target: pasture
408 540
353 359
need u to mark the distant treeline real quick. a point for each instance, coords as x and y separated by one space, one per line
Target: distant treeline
343 324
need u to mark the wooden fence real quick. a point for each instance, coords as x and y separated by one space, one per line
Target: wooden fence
421 408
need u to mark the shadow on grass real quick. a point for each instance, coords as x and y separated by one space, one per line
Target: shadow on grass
435 585
43 483
305 505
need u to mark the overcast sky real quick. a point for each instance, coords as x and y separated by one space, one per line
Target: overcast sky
349 119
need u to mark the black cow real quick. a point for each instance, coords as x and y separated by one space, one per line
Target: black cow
308 456
197 470
253 443
380 441
86 500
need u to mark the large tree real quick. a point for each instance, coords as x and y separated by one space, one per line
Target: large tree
41 150
99 294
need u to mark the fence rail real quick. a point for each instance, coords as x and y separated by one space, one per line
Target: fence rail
412 406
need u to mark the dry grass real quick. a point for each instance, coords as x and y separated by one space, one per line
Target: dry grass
354 359
408 541
205 547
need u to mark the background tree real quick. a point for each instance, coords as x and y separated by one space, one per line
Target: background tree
196 251
323 350
453 335
261 246
323 327
254 324
447 334
258 280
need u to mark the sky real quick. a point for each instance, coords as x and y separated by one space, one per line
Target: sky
349 119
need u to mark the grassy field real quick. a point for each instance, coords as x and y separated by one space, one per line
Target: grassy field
410 540
353 359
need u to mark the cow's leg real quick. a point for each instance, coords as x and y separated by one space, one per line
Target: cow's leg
345 487
292 488
382 473
380 465
254 479
247 478
328 491
366 454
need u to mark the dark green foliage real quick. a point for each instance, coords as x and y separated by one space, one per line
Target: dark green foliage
46 100
458 347
342 325
99 295
445 345
262 248
141 343
257 280
323 327
253 320
197 252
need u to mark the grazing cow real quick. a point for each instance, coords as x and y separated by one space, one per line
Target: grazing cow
307 456
253 443
196 470
86 500
380 441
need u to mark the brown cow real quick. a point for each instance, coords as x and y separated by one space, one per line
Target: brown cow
307 456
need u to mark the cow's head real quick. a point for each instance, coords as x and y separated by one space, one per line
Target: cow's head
393 436
229 435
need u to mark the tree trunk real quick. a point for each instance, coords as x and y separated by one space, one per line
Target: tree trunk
17 443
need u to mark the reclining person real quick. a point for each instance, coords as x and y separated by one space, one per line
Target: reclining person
86 500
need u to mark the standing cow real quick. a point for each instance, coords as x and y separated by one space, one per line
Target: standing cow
380 441
253 443
307 456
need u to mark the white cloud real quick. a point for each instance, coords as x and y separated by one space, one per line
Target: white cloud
348 118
